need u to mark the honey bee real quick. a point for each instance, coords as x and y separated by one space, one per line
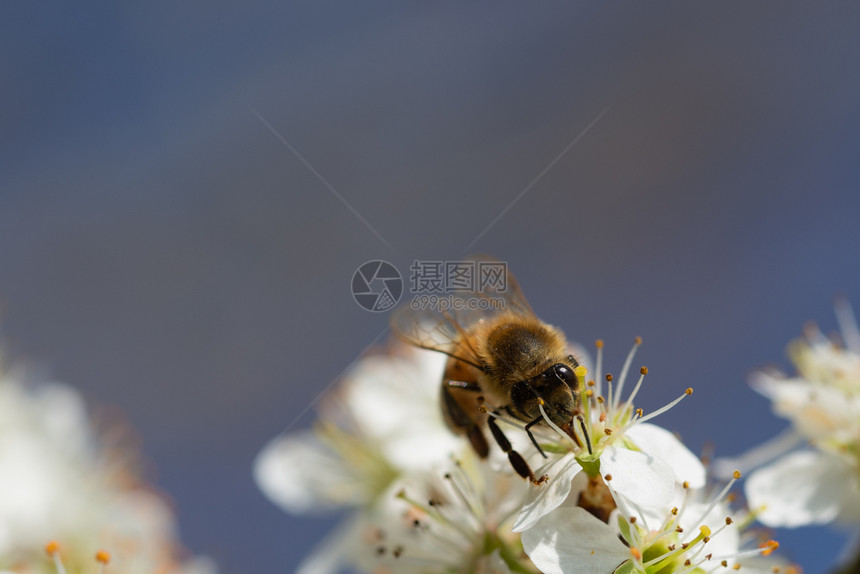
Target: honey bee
501 354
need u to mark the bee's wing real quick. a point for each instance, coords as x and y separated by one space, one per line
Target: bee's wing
435 330
443 329
506 289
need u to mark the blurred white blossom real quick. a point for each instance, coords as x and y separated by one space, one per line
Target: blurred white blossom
455 518
814 476
59 481
380 422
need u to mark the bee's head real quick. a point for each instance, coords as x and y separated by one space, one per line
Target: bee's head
555 389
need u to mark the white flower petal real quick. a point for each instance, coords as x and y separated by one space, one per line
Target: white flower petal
38 489
569 540
664 445
641 478
850 510
331 553
416 450
724 468
57 481
67 423
652 518
492 564
802 488
387 393
817 411
545 498
394 401
300 474
728 542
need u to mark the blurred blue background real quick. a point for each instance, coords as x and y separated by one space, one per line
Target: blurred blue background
164 251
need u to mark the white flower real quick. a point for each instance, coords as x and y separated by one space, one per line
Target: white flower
59 482
818 483
456 519
46 452
692 535
382 421
804 487
612 441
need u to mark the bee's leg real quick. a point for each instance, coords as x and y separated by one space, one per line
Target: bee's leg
532 437
528 430
517 461
459 420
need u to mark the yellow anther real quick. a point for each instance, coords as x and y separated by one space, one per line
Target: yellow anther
769 547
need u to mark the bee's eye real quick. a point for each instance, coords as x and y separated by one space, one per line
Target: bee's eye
564 373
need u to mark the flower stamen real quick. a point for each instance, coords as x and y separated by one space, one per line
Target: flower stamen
624 369
659 411
598 365
736 475
554 426
52 548
629 402
103 558
506 420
